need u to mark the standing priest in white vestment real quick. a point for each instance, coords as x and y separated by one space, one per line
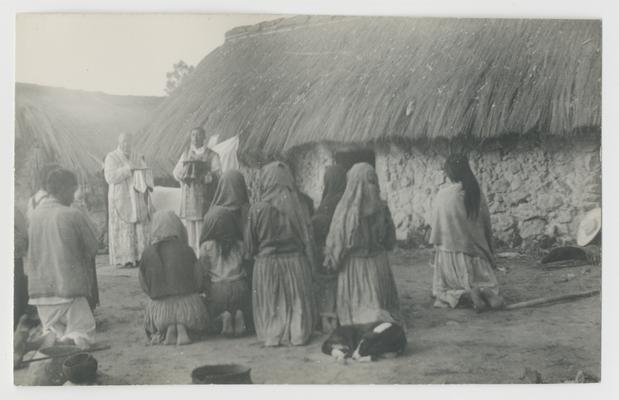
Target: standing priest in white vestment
130 208
198 172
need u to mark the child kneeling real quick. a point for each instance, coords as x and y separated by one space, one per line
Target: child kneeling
226 283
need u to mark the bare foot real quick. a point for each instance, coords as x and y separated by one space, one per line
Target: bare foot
82 343
440 304
226 319
338 354
170 336
494 300
478 302
183 337
239 324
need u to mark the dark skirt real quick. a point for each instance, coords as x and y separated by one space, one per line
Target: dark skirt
93 298
283 299
325 288
228 296
20 291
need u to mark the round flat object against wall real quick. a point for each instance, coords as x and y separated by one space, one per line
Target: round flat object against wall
589 227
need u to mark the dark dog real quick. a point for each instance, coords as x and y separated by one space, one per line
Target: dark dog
365 342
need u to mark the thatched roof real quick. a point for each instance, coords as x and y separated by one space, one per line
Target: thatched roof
73 128
288 82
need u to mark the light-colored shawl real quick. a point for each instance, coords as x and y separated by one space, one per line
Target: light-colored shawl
360 199
453 231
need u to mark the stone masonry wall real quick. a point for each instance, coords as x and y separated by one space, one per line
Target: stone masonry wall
537 189
309 169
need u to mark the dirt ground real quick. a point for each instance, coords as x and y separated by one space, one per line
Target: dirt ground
445 346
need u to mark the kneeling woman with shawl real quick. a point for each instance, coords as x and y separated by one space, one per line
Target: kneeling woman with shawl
222 255
168 275
279 237
462 236
360 235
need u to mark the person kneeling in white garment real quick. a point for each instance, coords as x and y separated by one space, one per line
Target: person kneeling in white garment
62 243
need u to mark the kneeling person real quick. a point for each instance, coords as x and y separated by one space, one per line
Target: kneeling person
62 245
221 249
169 277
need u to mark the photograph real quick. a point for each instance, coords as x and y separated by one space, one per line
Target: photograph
306 199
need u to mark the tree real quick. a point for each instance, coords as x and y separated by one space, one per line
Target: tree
174 78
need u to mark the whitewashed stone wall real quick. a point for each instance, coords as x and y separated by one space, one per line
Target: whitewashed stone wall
309 169
308 166
409 179
537 190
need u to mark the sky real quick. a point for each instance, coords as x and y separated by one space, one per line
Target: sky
126 54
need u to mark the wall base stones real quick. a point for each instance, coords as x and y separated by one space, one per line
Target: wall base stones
537 188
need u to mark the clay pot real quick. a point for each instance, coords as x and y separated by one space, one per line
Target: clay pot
49 372
80 368
221 374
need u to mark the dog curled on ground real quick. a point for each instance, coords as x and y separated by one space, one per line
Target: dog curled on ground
366 342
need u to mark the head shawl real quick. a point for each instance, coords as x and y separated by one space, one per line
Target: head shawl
360 199
279 190
231 191
221 224
167 225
